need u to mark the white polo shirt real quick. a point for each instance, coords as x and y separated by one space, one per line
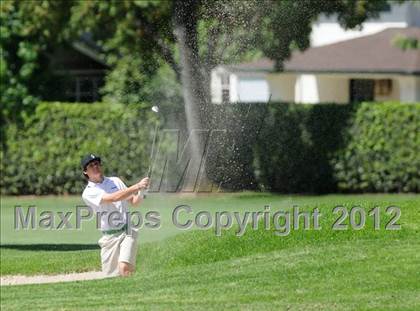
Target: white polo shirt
92 196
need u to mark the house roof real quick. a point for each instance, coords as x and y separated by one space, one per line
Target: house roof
369 54
67 58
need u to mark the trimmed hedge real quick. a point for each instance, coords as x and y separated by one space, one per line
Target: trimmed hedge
44 156
298 144
368 147
382 150
280 147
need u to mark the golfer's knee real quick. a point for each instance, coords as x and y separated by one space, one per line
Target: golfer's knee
125 269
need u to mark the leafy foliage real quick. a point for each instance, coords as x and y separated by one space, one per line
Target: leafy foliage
44 156
407 43
28 30
369 147
139 41
382 150
279 27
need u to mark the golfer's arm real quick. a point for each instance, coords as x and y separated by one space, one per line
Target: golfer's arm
136 199
120 194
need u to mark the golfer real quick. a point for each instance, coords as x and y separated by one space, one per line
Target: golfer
109 198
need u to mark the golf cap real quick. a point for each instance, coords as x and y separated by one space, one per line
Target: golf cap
89 158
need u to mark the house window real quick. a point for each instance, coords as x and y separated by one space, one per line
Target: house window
369 89
85 89
383 87
362 90
225 88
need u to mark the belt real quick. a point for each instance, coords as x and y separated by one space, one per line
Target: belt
114 231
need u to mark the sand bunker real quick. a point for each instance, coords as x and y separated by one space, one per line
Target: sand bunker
42 279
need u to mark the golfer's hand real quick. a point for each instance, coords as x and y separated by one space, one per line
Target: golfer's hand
143 184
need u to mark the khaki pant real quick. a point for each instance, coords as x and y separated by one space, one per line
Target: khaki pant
115 248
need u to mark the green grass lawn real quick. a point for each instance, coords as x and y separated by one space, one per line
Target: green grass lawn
306 270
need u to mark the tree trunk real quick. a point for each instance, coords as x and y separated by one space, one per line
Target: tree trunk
185 17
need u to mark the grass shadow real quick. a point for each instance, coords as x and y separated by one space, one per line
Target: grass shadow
50 247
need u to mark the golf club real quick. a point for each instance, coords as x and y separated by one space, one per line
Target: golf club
156 110
143 193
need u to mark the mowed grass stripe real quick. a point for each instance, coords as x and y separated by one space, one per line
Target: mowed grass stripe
347 275
165 204
306 270
202 246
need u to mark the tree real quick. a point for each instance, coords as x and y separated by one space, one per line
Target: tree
29 29
173 32
192 37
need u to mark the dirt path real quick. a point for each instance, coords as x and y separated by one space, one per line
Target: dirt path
42 279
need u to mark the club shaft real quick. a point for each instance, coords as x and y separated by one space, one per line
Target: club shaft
149 171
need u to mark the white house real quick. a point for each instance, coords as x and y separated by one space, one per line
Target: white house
341 66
